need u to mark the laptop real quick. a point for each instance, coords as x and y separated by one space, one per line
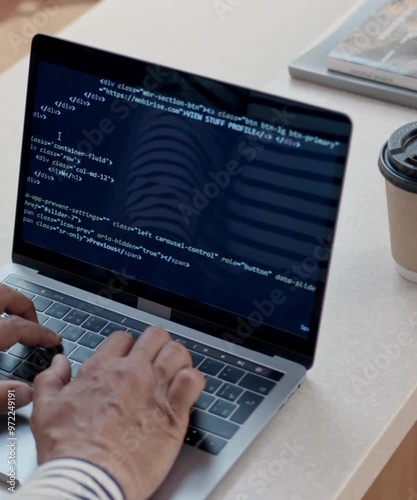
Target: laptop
149 195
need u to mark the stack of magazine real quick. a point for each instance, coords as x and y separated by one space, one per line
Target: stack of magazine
373 53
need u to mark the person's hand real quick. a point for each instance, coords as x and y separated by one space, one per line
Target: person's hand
127 410
21 326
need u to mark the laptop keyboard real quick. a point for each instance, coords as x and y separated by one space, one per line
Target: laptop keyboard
234 387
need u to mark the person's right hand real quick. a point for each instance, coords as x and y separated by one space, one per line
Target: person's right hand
127 410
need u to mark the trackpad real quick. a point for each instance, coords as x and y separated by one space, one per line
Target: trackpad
18 450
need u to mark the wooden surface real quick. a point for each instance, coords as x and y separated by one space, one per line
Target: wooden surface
21 19
398 480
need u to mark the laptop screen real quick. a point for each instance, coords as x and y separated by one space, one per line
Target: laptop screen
195 188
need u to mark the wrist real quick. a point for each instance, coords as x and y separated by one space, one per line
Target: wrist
82 478
111 463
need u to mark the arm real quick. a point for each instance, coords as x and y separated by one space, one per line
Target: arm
70 479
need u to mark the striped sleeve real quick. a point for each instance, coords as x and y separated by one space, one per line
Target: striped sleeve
70 479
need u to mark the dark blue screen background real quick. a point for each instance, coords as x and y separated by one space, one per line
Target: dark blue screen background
154 202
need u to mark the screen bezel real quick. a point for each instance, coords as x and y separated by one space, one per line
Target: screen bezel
218 322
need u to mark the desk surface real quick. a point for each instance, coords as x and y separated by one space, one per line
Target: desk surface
19 19
360 398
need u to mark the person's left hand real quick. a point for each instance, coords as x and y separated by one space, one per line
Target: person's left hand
21 326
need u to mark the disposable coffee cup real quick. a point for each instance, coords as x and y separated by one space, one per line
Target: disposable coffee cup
398 164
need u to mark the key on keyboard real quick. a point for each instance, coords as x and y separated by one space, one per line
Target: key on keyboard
111 328
211 367
27 372
213 444
21 351
68 346
7 362
74 369
248 403
57 310
41 358
213 424
193 436
41 317
84 326
41 303
27 294
135 334
204 401
212 384
223 408
229 392
257 384
197 358
91 340
72 332
94 324
56 325
81 354
75 317
230 374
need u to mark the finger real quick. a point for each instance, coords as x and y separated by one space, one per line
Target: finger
51 381
172 358
184 391
13 302
14 329
14 394
152 340
117 344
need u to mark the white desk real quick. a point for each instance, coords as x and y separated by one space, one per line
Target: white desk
343 432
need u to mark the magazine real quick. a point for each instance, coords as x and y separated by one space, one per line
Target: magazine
312 65
383 48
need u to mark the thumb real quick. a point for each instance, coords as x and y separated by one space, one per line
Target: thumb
51 381
14 395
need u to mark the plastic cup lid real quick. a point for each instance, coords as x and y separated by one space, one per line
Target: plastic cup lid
398 158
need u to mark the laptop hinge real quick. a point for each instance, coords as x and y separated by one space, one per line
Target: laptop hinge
232 338
93 287
154 308
164 312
